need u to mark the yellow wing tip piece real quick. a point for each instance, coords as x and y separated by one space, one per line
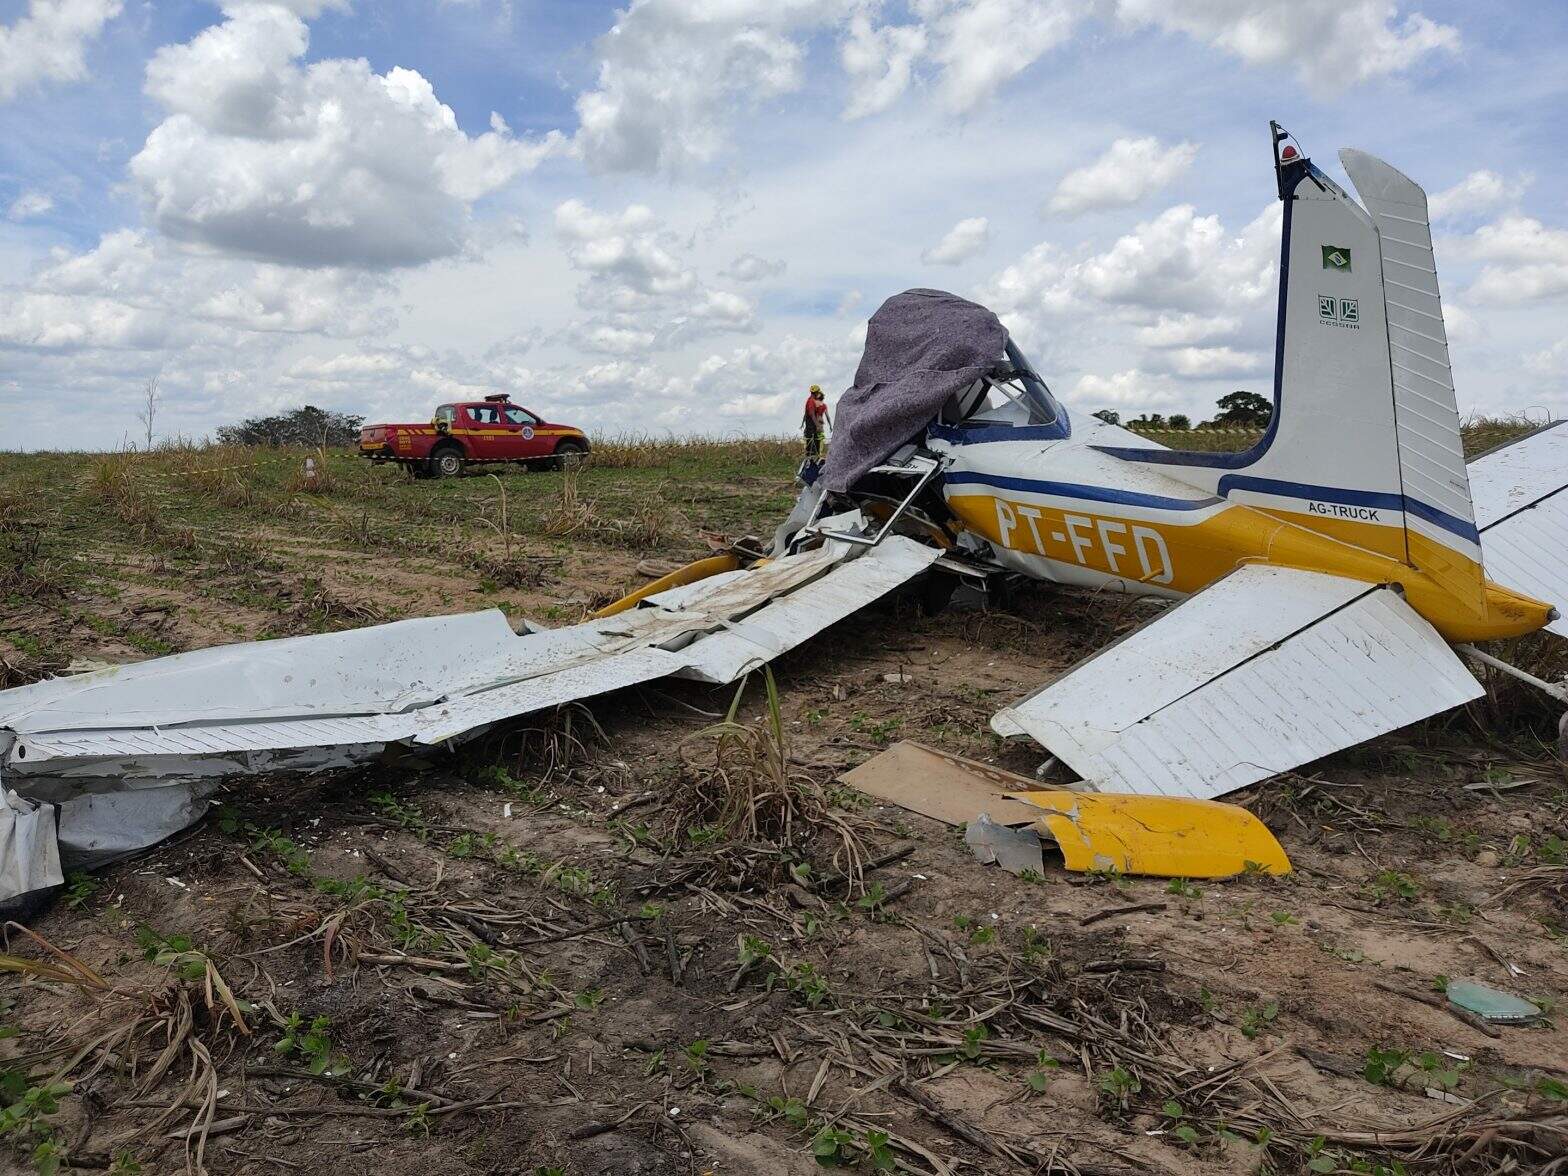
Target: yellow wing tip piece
1162 836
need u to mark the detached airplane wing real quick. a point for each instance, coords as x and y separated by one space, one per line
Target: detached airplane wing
1265 670
1521 509
96 766
330 697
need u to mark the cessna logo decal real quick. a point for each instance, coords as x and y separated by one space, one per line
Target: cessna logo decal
1339 312
1336 257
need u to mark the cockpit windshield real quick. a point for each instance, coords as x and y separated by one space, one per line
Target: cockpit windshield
1023 384
1011 394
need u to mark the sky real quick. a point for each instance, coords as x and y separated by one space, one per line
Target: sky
675 215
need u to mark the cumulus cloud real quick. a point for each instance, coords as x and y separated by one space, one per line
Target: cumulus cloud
1185 330
1208 362
133 269
1130 170
748 267
672 74
645 297
1551 362
320 164
48 43
1178 262
880 63
1128 389
30 204
1331 43
609 338
1480 191
401 373
1179 299
629 258
979 45
1525 261
963 241
767 382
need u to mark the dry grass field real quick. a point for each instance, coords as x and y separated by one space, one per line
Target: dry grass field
571 950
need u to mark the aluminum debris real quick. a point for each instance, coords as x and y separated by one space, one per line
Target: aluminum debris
1015 850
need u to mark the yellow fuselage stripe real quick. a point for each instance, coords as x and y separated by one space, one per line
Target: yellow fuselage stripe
1163 555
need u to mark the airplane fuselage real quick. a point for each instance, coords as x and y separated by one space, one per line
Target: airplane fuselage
1064 510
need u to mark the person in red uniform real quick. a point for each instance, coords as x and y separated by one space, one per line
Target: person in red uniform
815 421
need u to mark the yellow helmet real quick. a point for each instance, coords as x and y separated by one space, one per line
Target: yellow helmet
814 389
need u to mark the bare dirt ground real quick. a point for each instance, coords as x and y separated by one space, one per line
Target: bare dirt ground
557 952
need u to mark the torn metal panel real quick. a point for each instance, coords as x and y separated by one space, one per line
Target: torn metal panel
784 623
1521 506
1167 837
1015 850
449 721
96 828
1088 708
941 786
29 854
1364 669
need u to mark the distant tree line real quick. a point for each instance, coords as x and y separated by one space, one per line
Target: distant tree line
1237 410
302 426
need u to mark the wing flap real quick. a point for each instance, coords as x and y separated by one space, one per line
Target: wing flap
1359 669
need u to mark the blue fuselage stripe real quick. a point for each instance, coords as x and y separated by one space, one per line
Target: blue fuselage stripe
984 434
1299 490
1075 490
1339 494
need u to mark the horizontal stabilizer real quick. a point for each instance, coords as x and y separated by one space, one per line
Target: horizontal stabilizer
1521 504
1268 669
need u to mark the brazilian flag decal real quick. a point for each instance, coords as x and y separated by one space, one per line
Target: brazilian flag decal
1336 257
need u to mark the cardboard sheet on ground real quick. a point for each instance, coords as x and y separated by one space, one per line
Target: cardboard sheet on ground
944 787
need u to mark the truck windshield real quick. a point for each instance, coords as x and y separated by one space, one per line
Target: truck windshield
446 414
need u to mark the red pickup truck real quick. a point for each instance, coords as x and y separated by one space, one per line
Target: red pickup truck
489 430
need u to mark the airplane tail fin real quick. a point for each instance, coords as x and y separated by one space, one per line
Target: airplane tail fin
1365 444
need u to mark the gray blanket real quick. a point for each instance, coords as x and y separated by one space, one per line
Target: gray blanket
921 347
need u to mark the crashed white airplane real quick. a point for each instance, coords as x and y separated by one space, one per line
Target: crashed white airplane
1330 569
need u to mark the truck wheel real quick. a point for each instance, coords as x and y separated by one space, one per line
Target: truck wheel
446 462
570 455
